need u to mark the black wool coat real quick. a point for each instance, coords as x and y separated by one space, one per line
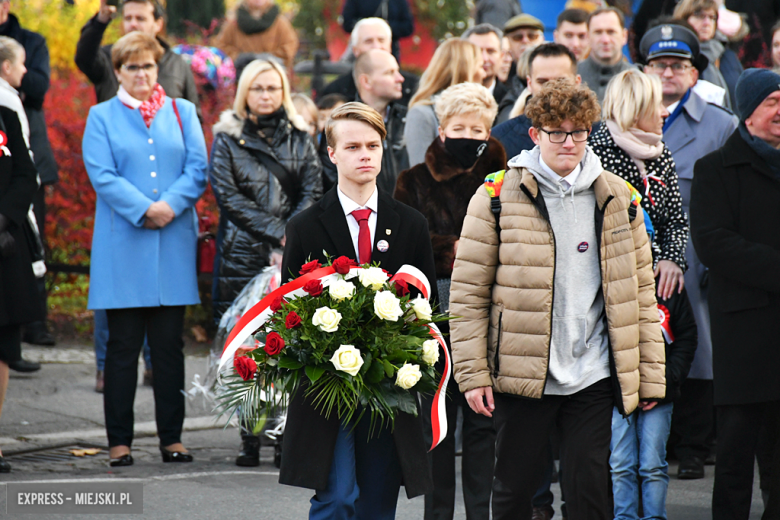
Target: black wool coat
441 190
735 212
309 438
19 301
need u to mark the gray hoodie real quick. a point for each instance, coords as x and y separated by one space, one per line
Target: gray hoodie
579 343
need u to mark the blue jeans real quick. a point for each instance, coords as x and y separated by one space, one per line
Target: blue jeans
364 479
639 455
101 342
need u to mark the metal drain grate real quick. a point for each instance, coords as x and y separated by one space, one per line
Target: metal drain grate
53 454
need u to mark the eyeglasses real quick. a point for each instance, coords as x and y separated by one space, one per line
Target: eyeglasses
660 68
558 137
147 67
260 90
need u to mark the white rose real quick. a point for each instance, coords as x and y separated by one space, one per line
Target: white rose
326 319
422 308
340 290
387 306
373 277
430 350
347 359
407 376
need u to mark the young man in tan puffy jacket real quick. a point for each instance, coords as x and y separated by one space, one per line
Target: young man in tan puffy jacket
558 319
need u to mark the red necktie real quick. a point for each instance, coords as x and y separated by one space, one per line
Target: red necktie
364 238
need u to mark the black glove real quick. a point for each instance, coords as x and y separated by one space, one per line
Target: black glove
7 244
3 222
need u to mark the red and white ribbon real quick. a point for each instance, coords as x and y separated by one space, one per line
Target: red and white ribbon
256 317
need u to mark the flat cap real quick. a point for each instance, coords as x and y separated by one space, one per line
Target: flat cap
523 20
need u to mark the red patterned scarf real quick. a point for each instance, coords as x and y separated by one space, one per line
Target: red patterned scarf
150 107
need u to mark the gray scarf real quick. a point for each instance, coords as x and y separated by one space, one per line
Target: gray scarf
251 25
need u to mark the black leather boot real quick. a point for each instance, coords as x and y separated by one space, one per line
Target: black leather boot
250 451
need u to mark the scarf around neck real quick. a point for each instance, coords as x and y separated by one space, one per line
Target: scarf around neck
638 144
251 25
763 149
148 108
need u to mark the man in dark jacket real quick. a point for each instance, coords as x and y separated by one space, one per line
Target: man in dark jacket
174 76
496 12
547 61
734 216
395 12
379 85
356 475
33 91
369 33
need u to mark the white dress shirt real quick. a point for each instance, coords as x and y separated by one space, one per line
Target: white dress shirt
349 205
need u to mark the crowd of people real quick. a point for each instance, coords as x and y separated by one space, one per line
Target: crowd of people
602 227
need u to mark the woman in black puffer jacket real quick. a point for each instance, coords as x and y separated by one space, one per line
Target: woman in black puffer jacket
264 170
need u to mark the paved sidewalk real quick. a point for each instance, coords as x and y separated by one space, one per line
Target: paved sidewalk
56 409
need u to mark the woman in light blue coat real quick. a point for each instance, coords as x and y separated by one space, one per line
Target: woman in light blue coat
146 158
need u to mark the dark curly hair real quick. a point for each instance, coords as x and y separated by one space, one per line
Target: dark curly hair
562 99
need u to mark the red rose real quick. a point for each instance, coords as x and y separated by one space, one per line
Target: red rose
313 287
273 344
277 303
246 367
292 321
401 288
342 264
310 266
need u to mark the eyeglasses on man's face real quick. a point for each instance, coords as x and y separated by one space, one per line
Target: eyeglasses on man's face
660 68
146 67
559 136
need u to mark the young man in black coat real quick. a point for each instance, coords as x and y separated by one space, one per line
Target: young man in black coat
354 476
734 217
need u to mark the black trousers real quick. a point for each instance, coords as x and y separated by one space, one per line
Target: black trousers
10 343
524 427
126 330
739 427
479 440
692 420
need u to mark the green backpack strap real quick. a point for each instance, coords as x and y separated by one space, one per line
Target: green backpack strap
493 183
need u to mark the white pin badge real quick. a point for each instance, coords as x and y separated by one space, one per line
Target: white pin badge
388 231
382 245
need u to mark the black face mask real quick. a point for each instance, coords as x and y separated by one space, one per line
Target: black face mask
465 151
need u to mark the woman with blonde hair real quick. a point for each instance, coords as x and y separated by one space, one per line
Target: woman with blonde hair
455 61
264 170
629 145
725 66
456 164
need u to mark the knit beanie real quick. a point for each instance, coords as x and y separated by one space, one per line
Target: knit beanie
753 87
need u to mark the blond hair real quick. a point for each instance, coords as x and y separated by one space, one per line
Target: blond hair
302 101
466 98
10 49
134 44
630 97
455 61
249 74
354 111
687 8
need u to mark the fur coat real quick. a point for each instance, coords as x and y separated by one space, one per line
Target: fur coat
441 190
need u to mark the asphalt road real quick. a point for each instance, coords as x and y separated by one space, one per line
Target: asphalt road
58 407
